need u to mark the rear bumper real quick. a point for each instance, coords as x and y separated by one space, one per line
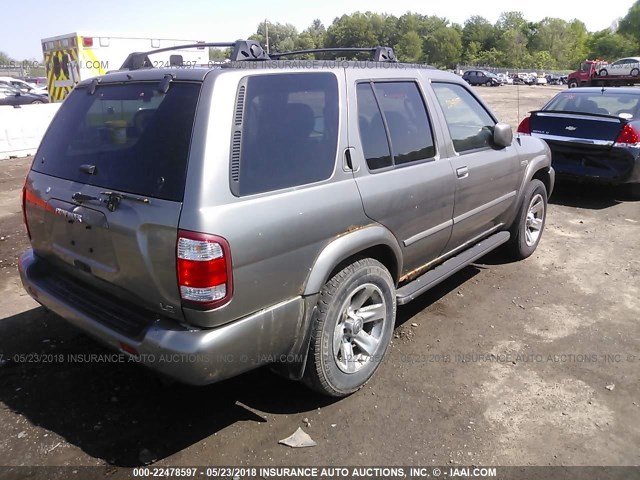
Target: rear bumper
613 166
193 356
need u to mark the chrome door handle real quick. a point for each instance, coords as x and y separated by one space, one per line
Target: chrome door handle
462 172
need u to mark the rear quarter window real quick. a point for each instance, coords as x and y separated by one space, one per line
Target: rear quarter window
136 138
289 132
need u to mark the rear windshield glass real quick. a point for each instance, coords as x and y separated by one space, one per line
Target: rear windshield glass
136 138
624 105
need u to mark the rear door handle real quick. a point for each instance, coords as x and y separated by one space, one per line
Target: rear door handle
462 172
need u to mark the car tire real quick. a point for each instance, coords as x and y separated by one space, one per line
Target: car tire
635 72
603 72
572 84
528 226
37 102
351 328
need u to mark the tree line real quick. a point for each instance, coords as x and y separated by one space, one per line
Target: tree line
511 41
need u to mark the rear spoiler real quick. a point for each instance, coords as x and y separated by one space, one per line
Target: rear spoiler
560 113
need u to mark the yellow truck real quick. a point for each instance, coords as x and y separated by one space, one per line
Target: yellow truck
73 57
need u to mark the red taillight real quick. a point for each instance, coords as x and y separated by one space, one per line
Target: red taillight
24 209
204 270
525 126
87 41
628 136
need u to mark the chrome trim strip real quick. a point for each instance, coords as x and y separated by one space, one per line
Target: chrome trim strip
481 208
427 233
595 117
585 141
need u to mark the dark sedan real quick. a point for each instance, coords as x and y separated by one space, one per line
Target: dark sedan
13 96
593 133
481 77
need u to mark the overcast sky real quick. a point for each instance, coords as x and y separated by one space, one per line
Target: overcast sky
24 23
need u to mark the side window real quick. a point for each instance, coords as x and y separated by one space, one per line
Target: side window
289 132
470 125
372 133
405 124
407 121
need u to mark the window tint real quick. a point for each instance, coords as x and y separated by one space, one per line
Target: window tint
137 138
406 119
372 132
289 131
470 125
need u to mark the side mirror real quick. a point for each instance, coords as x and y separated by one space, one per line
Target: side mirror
502 134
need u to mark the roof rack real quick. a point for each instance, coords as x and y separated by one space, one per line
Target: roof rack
243 50
250 50
380 54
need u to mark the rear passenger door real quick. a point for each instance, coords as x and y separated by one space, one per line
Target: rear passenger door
487 177
404 183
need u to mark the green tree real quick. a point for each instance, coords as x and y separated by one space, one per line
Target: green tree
282 37
543 60
5 59
443 47
351 31
216 54
630 24
511 21
513 47
317 32
491 57
580 40
608 45
409 48
471 53
480 31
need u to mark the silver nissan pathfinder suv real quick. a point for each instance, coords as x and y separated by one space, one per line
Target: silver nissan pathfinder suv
210 220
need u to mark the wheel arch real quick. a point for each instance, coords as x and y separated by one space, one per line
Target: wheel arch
544 175
373 241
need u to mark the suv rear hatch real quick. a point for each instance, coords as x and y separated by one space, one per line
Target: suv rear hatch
103 199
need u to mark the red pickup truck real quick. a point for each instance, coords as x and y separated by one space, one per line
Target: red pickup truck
588 76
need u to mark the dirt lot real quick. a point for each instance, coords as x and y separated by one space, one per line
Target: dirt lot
504 364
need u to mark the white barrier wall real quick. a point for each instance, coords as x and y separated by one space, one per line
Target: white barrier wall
22 128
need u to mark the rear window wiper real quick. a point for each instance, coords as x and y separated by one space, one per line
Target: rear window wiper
115 198
81 197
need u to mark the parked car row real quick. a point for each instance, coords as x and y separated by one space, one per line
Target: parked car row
484 77
13 96
24 86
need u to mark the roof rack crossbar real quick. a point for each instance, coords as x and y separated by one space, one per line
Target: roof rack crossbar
380 54
243 50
